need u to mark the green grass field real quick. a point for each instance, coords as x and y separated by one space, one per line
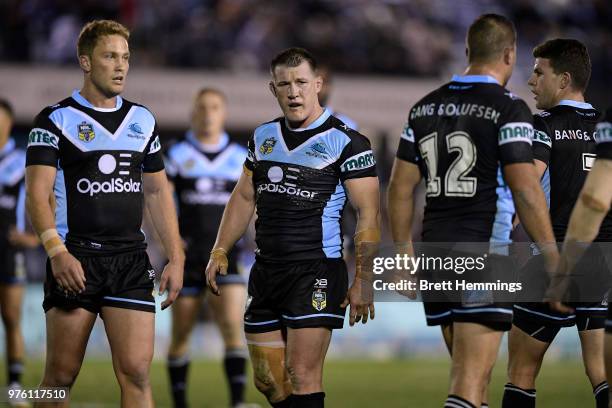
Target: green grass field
352 384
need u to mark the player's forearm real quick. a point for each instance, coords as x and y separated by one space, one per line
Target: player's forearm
532 210
235 221
40 211
401 214
163 216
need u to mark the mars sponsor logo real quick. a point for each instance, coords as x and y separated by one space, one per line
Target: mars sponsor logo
516 132
360 161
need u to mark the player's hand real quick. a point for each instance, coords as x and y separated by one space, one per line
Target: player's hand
558 286
360 297
68 272
22 239
172 281
401 274
217 264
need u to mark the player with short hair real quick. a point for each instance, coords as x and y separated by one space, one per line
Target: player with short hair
93 162
590 213
471 139
298 171
564 147
204 168
13 238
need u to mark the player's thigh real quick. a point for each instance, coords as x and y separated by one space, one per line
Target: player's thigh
525 353
267 351
608 355
67 335
185 311
307 347
11 298
131 336
228 310
475 346
592 344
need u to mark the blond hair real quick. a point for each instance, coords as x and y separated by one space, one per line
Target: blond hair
92 31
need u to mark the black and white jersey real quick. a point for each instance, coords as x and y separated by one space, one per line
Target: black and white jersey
604 136
564 140
298 177
460 136
12 191
204 178
100 156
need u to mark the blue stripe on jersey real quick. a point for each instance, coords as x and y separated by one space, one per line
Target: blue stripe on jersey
333 141
488 79
502 225
85 133
320 120
575 104
61 209
346 120
76 95
332 237
188 162
545 183
21 223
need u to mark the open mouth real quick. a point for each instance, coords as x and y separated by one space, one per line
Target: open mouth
294 105
118 79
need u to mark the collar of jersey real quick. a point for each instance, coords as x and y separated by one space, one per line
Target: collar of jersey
487 79
207 148
320 120
8 147
575 104
76 95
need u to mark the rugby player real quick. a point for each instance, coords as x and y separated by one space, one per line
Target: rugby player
563 146
93 161
298 171
590 213
471 139
204 168
13 237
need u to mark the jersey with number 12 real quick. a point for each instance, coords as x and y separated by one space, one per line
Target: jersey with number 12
461 136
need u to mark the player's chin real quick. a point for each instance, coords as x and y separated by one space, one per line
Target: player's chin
295 115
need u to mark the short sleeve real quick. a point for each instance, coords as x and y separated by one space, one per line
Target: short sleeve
357 159
249 161
43 142
542 143
603 137
407 149
515 134
154 159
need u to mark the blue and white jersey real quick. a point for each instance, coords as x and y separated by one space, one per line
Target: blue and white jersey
204 177
12 191
298 176
100 156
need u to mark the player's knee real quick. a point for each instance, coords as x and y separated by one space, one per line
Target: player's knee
61 375
134 374
232 333
593 202
302 375
10 318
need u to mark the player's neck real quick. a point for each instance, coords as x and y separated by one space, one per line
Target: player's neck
571 96
97 98
481 69
316 114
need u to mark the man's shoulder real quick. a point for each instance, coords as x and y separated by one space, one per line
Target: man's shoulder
47 111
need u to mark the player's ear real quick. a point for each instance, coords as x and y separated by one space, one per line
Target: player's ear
85 63
318 83
508 56
565 80
272 88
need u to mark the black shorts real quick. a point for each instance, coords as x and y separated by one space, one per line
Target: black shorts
296 295
539 321
467 306
12 266
194 279
125 281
